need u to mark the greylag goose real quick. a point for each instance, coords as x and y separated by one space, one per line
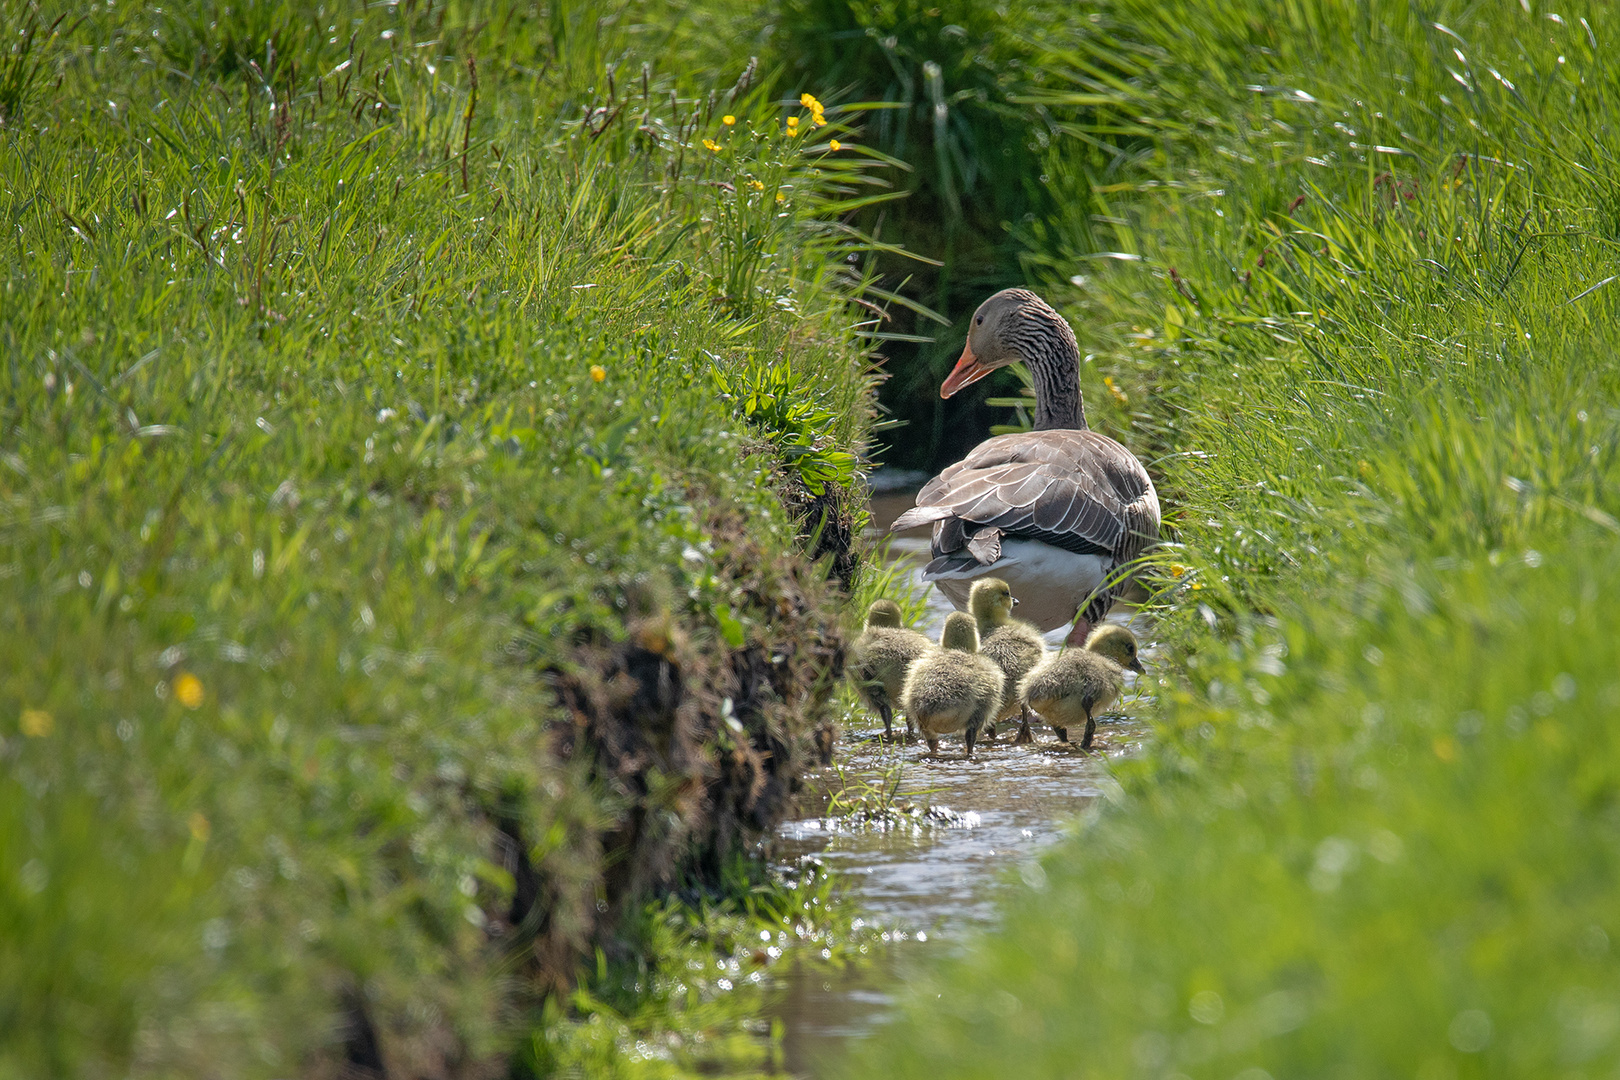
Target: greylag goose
1014 645
1054 511
953 688
879 659
1077 684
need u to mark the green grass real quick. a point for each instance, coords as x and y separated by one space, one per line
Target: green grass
392 604
1365 336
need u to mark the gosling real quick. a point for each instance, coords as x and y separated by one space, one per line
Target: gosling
1014 645
952 688
879 659
1077 684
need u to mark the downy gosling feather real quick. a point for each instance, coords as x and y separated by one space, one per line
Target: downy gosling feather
879 659
953 688
1074 686
1015 646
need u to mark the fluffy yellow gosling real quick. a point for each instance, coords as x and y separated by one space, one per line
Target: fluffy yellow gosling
1077 684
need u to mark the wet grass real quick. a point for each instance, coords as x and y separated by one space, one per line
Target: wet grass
688 998
358 404
1361 320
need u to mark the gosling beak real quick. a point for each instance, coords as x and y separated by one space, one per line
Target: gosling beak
1136 666
968 370
1014 599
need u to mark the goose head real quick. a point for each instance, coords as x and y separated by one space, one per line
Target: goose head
1012 325
961 633
1116 643
991 601
883 613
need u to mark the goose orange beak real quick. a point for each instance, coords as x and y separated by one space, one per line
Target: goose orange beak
968 370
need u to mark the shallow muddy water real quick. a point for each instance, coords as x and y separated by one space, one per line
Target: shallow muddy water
930 885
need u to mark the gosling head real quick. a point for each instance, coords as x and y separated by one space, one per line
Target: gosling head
1116 643
991 601
961 632
883 613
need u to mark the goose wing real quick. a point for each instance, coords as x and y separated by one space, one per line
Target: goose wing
1074 490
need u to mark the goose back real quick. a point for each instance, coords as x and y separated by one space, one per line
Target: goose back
1071 489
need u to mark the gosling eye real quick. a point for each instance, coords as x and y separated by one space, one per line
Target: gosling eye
978 320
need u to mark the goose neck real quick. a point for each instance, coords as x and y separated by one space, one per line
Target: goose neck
1053 357
1057 387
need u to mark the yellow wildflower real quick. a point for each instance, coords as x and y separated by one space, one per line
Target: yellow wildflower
37 723
835 144
598 373
781 198
1177 570
710 144
792 122
756 185
728 120
1119 395
188 690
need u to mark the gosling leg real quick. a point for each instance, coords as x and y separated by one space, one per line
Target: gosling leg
933 746
888 721
1091 729
1024 736
968 736
1062 733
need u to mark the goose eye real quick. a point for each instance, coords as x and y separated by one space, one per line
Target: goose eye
978 320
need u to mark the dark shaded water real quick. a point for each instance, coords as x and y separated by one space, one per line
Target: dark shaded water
930 886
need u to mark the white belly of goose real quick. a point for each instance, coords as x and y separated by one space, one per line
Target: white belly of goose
1050 583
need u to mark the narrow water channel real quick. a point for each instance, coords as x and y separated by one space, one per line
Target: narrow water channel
932 885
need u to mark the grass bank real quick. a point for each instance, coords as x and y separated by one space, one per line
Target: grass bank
1360 317
415 434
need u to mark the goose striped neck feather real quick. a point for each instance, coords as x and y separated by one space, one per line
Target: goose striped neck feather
1043 340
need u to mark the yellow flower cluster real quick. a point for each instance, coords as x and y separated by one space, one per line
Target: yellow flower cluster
598 373
835 144
816 109
711 145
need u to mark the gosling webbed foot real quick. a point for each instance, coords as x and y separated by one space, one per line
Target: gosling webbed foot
933 746
1062 733
1024 736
